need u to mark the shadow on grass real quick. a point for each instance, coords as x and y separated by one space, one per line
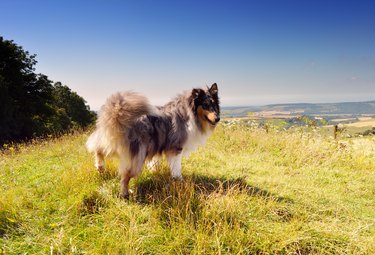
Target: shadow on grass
158 187
8 223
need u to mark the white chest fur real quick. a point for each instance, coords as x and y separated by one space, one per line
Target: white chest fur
195 138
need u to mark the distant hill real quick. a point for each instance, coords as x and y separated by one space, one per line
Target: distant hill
354 108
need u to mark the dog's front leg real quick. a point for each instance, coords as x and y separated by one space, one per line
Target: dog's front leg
154 164
174 160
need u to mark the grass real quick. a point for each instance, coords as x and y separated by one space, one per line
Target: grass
246 192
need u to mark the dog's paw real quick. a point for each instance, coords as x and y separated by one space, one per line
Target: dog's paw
177 178
126 195
101 169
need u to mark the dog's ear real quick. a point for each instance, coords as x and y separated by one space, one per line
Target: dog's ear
214 89
195 93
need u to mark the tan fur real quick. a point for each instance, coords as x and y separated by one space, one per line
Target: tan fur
211 116
201 118
115 117
202 115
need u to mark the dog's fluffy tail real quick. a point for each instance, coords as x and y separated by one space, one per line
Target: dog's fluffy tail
115 118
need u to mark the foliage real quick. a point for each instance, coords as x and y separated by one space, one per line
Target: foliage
72 105
248 191
30 105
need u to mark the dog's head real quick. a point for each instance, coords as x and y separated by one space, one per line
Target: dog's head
206 105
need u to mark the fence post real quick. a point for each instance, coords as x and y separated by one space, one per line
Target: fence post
335 129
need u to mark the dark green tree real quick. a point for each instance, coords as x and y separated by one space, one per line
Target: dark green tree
19 86
74 106
30 105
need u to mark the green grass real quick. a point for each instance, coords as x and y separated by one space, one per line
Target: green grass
245 192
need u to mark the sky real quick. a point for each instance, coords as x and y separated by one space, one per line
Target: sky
257 51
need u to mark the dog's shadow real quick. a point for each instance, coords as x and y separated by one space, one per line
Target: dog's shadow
158 188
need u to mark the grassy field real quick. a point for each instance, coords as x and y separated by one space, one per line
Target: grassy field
247 192
364 123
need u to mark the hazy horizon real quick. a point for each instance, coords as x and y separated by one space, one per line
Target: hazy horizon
297 102
259 52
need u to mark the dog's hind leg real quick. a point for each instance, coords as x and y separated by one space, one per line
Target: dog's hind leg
126 174
129 172
99 161
125 178
174 160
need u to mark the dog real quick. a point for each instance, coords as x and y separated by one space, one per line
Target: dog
129 127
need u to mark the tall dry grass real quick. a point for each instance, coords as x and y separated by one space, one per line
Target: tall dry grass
247 192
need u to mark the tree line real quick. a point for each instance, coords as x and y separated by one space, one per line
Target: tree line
31 105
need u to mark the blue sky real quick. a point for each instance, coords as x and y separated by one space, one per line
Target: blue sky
259 52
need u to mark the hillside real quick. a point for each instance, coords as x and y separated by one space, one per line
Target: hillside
354 108
247 192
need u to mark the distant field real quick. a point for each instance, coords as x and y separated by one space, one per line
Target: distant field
251 190
353 125
363 123
357 122
319 109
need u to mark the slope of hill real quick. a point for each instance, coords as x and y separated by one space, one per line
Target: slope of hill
247 192
355 108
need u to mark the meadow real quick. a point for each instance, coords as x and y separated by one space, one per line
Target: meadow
250 190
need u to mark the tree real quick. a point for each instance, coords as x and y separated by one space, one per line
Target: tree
18 84
30 105
74 105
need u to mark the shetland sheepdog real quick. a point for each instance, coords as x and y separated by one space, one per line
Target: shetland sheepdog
129 127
